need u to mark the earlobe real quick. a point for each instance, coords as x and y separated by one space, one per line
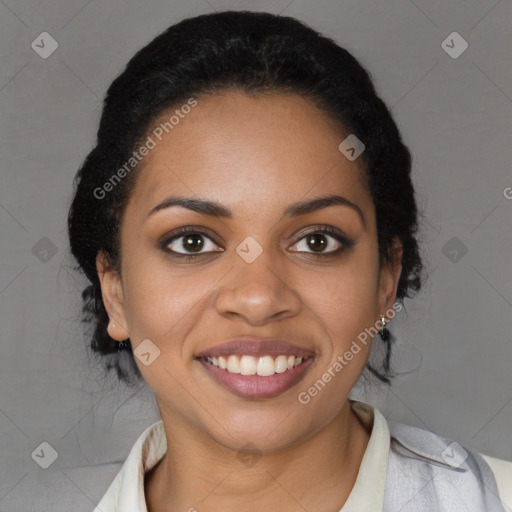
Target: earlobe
113 298
117 332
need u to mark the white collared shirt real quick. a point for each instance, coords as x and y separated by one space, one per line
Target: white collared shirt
126 492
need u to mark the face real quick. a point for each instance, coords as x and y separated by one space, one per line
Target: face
252 258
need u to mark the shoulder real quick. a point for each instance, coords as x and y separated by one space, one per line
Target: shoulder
424 468
502 470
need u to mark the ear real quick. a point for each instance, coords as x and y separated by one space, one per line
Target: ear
113 298
389 277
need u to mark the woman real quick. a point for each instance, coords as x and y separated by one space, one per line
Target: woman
247 221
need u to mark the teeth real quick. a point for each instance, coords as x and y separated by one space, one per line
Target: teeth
233 364
281 364
263 366
266 366
248 365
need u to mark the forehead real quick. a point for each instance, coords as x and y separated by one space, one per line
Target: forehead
240 149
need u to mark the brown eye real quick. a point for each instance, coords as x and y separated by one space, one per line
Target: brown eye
326 241
190 242
316 242
193 243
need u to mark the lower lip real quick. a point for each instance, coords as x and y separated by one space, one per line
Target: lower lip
255 386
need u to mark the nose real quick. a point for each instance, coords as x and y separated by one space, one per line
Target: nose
258 292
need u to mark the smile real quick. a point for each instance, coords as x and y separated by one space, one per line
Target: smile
256 377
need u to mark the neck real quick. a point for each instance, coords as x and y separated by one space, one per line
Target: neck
317 474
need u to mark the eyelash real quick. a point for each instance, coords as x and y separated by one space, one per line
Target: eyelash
346 243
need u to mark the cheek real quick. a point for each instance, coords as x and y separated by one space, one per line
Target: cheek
346 298
164 307
160 303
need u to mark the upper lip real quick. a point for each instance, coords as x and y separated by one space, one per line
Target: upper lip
256 347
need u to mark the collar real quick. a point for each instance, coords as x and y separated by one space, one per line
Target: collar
369 488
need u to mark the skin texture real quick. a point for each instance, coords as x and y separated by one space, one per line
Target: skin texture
255 155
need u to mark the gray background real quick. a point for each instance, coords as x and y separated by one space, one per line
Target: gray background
454 342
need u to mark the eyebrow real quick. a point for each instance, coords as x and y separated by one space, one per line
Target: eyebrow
304 207
214 209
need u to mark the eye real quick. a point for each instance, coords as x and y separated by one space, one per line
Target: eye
189 242
324 241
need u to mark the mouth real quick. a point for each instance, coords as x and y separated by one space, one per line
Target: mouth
256 368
